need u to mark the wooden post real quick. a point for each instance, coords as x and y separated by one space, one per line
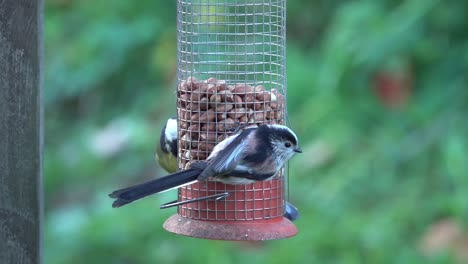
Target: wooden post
20 131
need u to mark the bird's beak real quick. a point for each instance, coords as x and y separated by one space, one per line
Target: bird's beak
298 150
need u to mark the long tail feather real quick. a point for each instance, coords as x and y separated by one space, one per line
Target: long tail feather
133 193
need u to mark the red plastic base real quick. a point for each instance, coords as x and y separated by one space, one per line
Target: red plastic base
254 230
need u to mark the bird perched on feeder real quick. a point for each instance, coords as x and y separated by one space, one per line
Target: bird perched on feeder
166 151
255 154
166 156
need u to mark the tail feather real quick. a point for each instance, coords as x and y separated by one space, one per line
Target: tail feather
133 193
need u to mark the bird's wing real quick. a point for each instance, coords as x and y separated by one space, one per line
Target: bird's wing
227 158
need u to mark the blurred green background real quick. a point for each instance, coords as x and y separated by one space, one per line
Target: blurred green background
377 92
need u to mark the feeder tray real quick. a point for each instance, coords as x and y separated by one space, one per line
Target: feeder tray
257 230
250 212
231 74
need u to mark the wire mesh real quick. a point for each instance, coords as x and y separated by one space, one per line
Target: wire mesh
231 74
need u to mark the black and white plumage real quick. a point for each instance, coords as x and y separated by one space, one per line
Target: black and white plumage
255 154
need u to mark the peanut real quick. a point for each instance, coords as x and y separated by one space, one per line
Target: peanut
209 110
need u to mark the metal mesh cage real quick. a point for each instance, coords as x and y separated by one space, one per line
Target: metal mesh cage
231 74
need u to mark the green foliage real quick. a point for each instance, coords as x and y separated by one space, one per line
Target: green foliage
378 169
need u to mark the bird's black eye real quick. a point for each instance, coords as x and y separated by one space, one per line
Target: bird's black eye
287 144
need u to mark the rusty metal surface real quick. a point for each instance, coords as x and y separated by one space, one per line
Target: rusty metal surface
254 230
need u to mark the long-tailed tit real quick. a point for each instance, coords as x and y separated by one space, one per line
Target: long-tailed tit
166 156
255 154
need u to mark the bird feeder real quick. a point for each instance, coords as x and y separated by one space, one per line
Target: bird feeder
231 74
